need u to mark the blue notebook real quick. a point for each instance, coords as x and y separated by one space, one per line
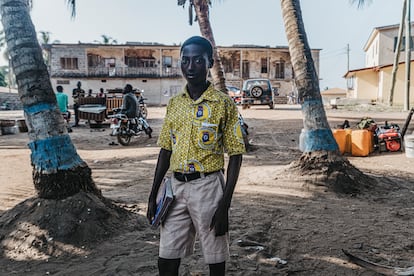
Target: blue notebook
164 200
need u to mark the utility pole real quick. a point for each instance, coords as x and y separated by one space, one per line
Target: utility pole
347 69
407 56
347 57
397 54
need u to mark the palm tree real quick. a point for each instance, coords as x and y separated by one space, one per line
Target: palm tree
44 37
201 8
58 171
107 40
5 71
321 156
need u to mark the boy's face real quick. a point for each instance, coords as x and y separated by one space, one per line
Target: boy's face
194 64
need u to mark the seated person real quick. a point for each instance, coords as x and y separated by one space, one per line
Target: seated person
62 101
129 102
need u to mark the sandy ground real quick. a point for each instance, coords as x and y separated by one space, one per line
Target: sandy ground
298 230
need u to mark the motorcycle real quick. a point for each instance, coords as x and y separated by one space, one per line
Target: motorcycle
124 128
142 106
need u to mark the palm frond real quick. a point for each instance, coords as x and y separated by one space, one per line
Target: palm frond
72 6
190 13
360 3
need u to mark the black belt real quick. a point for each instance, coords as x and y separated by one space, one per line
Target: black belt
186 177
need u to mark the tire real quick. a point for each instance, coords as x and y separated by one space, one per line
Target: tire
256 91
122 137
144 112
271 106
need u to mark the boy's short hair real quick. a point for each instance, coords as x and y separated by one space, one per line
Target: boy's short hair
59 88
203 42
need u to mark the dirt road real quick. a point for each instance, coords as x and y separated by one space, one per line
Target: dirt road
300 232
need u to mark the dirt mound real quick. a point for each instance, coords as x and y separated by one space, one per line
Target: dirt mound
45 227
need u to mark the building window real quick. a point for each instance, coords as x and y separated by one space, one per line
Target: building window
350 82
264 65
147 62
94 60
280 69
131 61
139 62
62 82
246 69
402 43
167 61
69 63
110 62
227 65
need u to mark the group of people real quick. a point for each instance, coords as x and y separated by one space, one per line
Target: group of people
63 100
77 93
201 123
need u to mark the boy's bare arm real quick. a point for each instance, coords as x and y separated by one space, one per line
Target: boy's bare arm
220 221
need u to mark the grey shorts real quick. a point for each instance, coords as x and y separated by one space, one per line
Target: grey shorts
195 204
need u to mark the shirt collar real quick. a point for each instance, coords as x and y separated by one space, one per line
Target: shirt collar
209 95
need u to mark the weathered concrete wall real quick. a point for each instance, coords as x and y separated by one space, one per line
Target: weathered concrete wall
11 99
71 52
158 70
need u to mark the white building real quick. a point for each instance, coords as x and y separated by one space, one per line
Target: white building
373 82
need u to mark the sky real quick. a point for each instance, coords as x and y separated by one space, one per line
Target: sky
330 25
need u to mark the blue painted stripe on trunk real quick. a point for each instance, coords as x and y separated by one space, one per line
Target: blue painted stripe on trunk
307 103
318 139
54 153
33 109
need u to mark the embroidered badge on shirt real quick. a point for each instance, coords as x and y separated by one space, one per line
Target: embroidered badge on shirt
193 166
202 112
206 138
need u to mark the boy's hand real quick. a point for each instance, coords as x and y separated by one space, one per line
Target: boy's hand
220 221
152 208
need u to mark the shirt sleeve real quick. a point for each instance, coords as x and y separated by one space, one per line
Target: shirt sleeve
164 140
233 137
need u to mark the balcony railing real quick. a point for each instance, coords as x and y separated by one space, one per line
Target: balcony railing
119 72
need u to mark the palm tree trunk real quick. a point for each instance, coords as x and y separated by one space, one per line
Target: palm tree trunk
318 135
58 171
321 160
202 11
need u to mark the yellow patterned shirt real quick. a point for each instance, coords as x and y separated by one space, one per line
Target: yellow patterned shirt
198 132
